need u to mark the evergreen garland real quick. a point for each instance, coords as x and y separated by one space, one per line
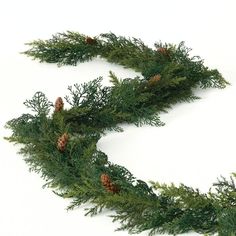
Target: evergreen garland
61 144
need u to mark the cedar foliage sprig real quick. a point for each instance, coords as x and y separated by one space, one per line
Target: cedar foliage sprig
62 146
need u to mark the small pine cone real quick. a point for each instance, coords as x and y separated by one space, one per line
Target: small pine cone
59 104
62 141
106 180
90 40
163 51
154 80
108 185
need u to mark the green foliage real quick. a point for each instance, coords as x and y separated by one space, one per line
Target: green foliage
226 192
113 79
198 211
63 48
75 173
227 222
71 48
90 95
39 104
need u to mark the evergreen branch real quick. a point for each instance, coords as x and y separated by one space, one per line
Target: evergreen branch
62 146
39 104
71 48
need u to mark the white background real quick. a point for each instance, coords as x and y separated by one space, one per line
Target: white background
196 146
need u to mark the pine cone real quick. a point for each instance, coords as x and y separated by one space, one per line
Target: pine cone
108 185
59 104
62 141
154 80
163 51
90 40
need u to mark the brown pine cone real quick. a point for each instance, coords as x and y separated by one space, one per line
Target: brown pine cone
59 104
62 141
154 80
90 40
107 184
163 51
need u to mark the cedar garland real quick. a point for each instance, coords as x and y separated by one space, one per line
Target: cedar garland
83 173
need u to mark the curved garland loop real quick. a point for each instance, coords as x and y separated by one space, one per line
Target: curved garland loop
62 145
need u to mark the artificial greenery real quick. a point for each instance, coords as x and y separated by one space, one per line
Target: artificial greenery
61 143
